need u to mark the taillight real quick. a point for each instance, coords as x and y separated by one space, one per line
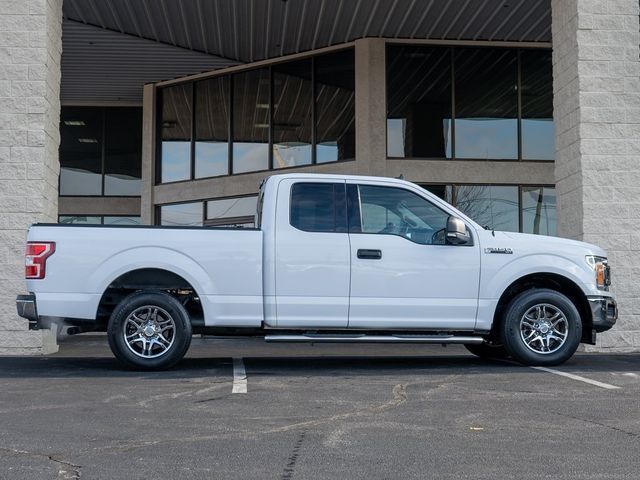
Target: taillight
35 258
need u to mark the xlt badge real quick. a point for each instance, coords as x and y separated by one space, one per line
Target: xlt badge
504 250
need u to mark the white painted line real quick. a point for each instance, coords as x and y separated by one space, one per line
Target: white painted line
578 378
239 376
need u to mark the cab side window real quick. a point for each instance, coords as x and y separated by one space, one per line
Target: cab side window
318 207
396 211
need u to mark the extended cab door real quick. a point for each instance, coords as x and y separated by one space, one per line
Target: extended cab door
312 256
403 274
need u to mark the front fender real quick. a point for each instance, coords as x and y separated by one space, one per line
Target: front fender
495 278
499 272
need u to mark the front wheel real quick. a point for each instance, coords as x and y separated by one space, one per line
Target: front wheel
149 331
541 327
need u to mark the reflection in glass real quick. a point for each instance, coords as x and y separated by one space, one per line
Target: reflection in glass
81 151
313 206
335 106
539 210
212 127
123 151
419 102
183 214
79 220
396 211
486 125
538 136
231 211
251 121
292 114
114 220
491 206
176 133
441 191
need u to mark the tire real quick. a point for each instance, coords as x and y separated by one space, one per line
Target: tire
487 351
149 331
541 327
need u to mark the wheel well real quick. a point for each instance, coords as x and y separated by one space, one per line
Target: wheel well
554 282
149 279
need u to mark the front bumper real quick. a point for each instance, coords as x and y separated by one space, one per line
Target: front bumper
604 312
26 307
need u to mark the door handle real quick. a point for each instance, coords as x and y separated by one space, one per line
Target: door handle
366 254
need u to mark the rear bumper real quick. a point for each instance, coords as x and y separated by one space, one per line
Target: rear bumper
604 312
27 308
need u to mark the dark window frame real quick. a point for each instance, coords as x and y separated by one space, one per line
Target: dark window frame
103 114
230 75
205 222
452 68
520 186
100 215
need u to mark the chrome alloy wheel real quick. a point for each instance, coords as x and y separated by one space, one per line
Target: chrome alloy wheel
544 328
149 331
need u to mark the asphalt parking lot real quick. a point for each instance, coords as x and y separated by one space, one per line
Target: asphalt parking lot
331 411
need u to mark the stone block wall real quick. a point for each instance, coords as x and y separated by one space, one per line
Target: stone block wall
30 52
596 71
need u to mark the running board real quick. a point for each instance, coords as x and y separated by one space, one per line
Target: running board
361 338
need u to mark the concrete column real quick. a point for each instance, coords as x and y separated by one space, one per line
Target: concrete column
596 75
371 107
30 50
148 154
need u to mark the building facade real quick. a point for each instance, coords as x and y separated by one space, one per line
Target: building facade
524 115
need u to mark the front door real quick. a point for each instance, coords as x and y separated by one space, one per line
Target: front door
403 274
312 255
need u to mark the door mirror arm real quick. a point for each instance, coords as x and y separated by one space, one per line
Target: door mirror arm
457 233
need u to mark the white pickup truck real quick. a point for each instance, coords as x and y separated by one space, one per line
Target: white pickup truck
334 258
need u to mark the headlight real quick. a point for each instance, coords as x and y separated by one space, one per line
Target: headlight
602 270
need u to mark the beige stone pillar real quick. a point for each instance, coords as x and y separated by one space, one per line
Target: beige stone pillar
596 75
371 108
30 51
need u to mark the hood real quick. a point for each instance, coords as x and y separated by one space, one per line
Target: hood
544 242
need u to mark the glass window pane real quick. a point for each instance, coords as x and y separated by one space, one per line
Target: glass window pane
79 220
441 191
123 151
81 151
539 210
538 136
212 127
121 220
486 125
335 106
418 102
251 121
176 133
184 214
396 211
313 207
491 206
231 211
292 114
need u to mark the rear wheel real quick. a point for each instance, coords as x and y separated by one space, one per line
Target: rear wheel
487 350
541 327
149 331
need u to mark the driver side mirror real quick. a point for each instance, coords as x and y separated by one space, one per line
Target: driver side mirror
457 233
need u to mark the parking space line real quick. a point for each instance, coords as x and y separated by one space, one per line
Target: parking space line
239 376
578 378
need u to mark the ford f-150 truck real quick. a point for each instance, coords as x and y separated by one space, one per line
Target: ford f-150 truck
333 258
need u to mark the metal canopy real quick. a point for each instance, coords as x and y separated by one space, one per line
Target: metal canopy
232 31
